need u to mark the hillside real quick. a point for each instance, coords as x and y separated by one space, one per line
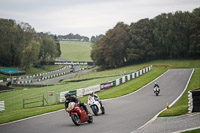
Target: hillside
76 51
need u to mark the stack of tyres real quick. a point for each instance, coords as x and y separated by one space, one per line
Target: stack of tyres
196 100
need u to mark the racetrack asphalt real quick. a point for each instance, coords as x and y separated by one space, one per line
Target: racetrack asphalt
123 115
175 124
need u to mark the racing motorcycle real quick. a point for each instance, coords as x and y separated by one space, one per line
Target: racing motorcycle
156 90
96 106
78 114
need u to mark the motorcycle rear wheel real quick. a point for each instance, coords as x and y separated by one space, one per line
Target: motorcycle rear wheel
103 110
157 93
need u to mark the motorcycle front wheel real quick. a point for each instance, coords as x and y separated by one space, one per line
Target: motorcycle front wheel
94 110
90 119
76 120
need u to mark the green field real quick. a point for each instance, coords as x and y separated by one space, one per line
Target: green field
76 51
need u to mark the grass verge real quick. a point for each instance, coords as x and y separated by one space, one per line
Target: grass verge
193 131
181 107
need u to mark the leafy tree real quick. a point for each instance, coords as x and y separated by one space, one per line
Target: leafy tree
31 53
7 37
161 32
140 47
111 49
97 53
57 46
167 36
48 49
194 48
96 38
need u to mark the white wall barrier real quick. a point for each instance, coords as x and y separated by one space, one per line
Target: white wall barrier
137 74
85 91
129 77
140 72
117 82
62 96
2 105
144 70
133 75
123 79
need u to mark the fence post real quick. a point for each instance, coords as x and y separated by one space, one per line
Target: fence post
23 103
43 101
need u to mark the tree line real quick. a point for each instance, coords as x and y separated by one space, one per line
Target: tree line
166 36
21 46
72 37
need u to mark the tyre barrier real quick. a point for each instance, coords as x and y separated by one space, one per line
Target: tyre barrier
194 100
42 75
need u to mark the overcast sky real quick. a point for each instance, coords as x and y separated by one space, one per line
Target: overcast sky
87 17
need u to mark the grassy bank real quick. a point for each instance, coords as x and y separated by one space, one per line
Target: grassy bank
193 131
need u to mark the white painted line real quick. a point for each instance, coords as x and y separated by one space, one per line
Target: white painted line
30 117
189 129
150 121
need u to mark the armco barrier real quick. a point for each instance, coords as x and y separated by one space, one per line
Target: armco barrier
85 91
107 85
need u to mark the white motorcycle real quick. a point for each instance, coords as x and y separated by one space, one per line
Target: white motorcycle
96 106
156 90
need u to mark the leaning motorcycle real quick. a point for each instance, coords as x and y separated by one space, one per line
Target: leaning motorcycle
78 114
156 91
96 107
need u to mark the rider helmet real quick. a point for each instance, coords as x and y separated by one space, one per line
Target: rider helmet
92 93
67 94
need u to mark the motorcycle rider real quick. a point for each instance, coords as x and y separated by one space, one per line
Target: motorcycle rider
96 97
156 85
69 98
